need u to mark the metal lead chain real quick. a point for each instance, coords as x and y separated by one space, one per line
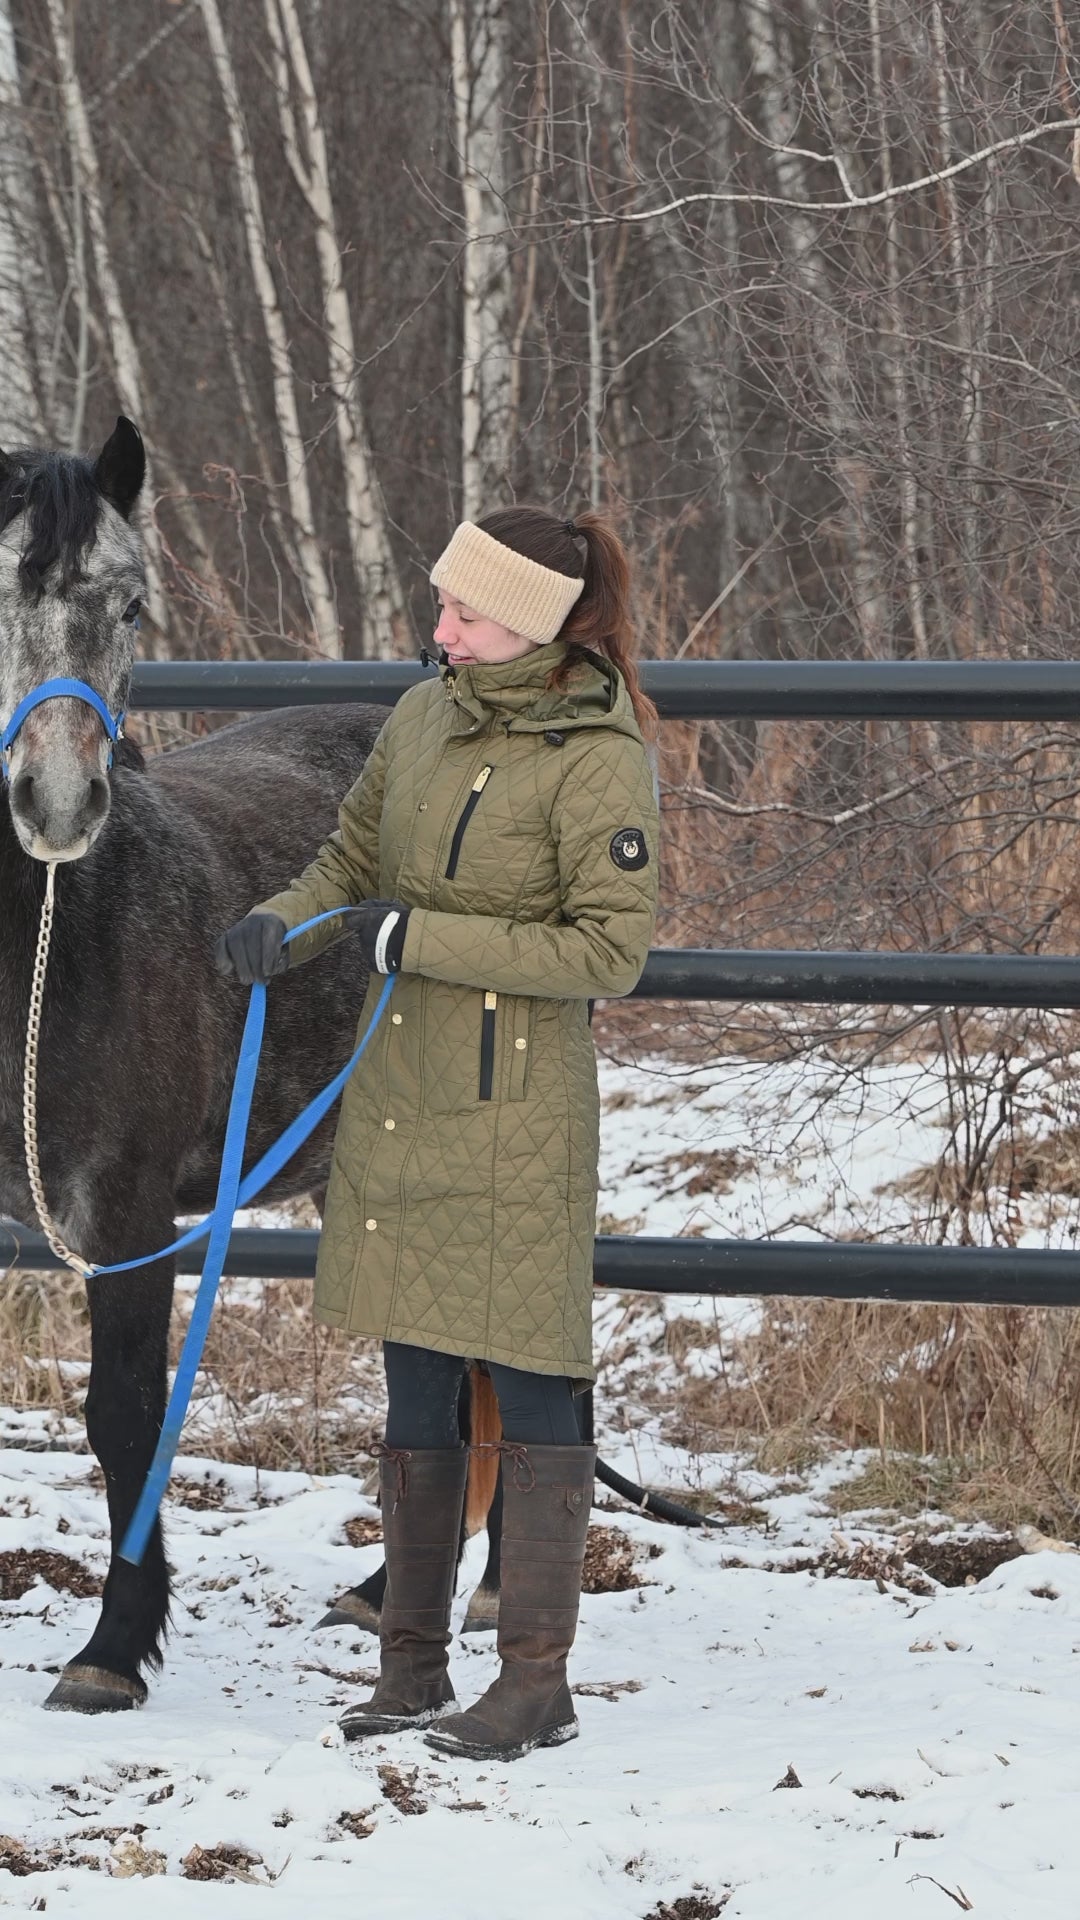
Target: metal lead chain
33 1034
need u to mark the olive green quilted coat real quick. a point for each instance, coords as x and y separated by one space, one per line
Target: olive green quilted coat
520 827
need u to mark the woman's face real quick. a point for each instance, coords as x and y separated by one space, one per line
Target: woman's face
467 637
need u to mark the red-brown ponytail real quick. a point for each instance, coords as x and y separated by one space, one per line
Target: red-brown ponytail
600 619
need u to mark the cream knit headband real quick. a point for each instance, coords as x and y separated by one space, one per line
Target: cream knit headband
505 586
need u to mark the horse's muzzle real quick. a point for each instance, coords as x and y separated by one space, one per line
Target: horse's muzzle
58 821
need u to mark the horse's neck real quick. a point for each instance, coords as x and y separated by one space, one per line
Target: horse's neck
16 867
22 887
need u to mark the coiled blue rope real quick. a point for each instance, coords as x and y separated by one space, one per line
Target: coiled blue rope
232 1193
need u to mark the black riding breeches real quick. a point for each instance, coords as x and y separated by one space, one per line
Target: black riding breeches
423 1386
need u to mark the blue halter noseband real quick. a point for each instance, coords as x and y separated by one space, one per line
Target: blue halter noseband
55 690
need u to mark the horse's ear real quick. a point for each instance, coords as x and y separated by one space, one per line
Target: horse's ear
121 465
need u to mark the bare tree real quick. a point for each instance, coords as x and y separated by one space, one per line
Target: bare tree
22 319
827 363
788 287
89 200
310 563
305 149
479 74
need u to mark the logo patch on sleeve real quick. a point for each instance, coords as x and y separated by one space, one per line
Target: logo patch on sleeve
628 849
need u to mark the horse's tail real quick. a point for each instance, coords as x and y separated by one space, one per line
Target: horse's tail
485 1429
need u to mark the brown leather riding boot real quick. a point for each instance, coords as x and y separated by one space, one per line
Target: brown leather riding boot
422 1491
547 1498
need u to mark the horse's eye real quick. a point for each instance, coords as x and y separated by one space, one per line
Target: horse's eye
131 612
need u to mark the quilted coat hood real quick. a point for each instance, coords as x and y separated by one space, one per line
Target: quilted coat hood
516 693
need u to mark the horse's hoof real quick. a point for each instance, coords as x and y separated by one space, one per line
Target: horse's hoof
351 1611
483 1614
95 1690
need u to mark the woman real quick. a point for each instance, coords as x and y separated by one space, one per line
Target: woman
502 840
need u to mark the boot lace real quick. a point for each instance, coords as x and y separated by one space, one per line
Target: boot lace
400 1457
519 1453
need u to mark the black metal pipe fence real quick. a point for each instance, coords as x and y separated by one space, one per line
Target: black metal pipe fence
703 689
952 1276
682 689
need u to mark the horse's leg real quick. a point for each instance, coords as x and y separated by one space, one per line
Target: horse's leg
483 1614
125 1405
360 1607
483 1501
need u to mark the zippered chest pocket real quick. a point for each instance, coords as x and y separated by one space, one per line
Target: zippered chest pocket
463 819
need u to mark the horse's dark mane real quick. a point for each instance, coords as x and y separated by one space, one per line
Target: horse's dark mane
127 753
60 495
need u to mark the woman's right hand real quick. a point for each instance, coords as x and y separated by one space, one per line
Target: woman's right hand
252 950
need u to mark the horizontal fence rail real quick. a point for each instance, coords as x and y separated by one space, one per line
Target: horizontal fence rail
861 979
682 689
697 690
952 1276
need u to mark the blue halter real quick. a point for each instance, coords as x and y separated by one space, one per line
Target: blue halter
55 690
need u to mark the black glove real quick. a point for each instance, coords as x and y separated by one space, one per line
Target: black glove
381 935
252 949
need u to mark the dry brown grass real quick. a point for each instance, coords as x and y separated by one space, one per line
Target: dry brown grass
276 1391
818 833
970 1409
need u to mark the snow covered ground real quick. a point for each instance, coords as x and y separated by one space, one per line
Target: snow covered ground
933 1736
797 1148
757 1741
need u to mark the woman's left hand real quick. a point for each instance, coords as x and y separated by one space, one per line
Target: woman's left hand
380 927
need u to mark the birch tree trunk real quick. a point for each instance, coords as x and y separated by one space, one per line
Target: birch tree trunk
20 268
381 598
897 349
127 371
311 566
970 422
479 57
828 366
535 147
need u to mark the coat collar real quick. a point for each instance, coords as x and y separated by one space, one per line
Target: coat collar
516 693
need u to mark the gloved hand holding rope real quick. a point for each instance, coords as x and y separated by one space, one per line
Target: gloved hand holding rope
253 948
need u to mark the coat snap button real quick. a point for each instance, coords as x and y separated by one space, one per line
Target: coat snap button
520 1045
396 1018
370 1225
389 1125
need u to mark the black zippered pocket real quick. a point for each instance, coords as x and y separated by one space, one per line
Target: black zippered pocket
487 1046
467 812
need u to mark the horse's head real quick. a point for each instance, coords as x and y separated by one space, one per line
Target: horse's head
71 581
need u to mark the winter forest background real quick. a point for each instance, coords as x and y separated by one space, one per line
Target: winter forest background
791 288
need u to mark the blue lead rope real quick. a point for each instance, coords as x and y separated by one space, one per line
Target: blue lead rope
231 1193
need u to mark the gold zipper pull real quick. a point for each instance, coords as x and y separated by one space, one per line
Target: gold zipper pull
482 779
491 1001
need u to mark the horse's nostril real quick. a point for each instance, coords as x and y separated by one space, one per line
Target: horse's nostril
24 799
97 800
